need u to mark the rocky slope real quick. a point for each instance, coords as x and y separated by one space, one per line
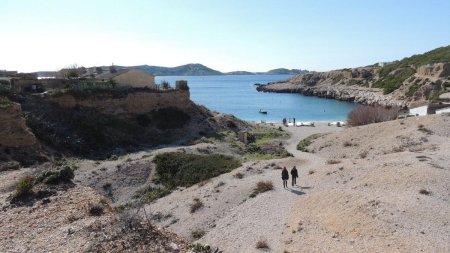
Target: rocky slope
13 129
409 82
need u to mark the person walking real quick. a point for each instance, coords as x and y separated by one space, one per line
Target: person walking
285 177
294 174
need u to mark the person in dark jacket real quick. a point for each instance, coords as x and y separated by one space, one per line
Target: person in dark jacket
294 174
285 177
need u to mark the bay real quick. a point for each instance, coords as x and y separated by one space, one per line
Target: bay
237 95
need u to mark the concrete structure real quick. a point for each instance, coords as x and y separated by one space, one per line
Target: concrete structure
443 110
129 77
419 111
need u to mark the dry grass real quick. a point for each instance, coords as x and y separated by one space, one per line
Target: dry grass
262 244
332 161
196 205
198 233
262 186
238 175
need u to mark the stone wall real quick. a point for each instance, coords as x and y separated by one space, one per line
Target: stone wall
133 103
13 129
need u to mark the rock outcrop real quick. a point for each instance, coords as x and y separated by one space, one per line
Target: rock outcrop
359 85
13 129
412 81
347 85
434 70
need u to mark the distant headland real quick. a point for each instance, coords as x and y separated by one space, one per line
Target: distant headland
194 69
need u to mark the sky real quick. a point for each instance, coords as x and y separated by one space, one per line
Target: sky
252 35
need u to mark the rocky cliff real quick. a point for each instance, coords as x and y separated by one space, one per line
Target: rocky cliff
409 82
13 129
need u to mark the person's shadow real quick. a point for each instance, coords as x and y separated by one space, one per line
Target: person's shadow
297 192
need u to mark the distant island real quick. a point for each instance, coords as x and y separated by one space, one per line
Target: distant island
193 69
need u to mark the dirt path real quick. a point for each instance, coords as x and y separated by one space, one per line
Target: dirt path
232 220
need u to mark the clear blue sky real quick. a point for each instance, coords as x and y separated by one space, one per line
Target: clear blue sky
226 35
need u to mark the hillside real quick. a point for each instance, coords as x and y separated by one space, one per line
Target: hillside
189 70
283 71
183 70
408 82
279 71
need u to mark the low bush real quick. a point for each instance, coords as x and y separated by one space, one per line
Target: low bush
423 129
331 161
96 209
363 115
5 102
238 175
153 194
198 233
11 165
65 175
262 186
424 192
181 169
196 205
25 187
262 244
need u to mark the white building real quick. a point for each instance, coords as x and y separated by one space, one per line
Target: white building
419 111
443 110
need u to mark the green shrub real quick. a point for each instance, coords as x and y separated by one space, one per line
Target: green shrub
200 248
64 175
198 233
180 169
153 194
412 90
391 82
25 187
11 165
5 102
304 144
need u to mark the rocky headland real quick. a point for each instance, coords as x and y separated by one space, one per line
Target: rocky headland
410 82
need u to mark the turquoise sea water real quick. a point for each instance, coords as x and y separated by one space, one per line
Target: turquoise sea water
237 95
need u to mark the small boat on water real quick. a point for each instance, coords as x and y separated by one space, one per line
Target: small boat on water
262 111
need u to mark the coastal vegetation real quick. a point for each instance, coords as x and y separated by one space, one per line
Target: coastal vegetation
363 115
441 54
5 102
262 143
181 169
304 144
412 80
391 82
